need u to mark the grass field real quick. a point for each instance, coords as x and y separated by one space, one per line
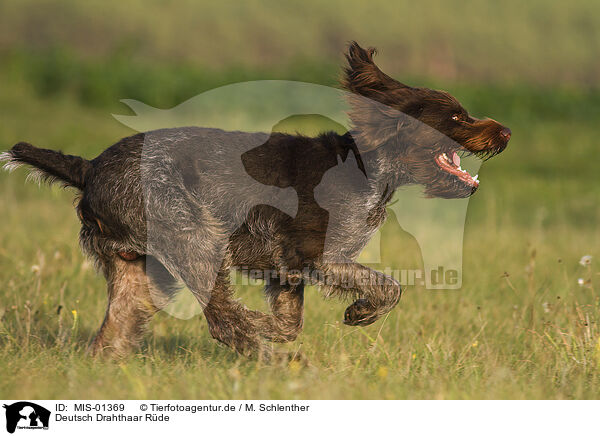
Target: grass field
520 327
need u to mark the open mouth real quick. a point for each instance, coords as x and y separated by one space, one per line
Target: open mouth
451 165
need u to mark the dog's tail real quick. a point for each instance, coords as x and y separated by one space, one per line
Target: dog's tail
48 165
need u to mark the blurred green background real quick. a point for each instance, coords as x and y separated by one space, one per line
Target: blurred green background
521 327
162 53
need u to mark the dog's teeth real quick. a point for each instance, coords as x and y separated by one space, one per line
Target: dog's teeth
476 178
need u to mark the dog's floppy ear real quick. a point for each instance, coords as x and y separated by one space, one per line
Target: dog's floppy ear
363 77
373 95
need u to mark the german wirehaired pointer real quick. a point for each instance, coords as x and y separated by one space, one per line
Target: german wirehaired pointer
186 205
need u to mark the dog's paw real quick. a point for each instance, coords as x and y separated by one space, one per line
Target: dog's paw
361 313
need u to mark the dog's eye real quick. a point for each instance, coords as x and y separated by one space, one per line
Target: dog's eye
456 117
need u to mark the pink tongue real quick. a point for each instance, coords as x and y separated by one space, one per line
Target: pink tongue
456 159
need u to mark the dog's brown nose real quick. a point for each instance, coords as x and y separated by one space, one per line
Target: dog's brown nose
505 133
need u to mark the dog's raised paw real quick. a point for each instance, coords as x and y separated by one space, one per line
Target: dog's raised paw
360 313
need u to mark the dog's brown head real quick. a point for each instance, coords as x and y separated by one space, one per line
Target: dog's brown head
427 129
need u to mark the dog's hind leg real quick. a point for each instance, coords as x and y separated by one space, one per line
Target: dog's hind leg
133 298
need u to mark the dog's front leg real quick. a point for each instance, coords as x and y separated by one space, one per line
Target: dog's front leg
244 329
287 305
377 293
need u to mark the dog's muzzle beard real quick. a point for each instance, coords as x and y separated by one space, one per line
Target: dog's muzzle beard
459 183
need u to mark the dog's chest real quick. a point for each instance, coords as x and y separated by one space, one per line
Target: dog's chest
352 226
